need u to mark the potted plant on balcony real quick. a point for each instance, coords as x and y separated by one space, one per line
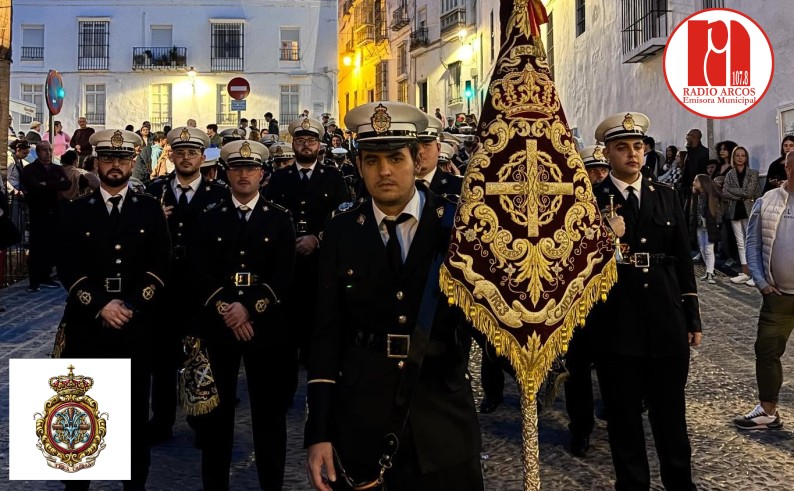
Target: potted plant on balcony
176 58
138 60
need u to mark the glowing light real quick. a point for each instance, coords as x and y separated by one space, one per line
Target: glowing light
347 61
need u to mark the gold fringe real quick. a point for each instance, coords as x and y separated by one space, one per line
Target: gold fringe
531 364
196 408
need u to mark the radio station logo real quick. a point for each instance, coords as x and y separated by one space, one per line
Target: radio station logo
718 63
71 429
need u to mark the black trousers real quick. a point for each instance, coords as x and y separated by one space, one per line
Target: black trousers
579 385
43 246
625 381
271 370
492 369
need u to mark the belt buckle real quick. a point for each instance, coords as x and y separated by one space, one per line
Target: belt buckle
242 279
113 285
642 259
402 343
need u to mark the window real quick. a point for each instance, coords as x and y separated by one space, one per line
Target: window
643 20
370 95
162 36
94 97
550 44
33 93
227 46
32 43
453 80
347 102
290 101
447 5
159 105
224 115
402 91
713 4
290 49
380 20
493 39
580 24
382 81
402 59
93 45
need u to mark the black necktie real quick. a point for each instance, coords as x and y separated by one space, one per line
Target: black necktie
115 212
393 244
243 210
305 177
183 196
632 203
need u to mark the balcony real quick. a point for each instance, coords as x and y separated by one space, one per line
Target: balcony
95 118
419 38
644 33
453 21
289 54
165 58
32 54
226 119
364 34
349 47
399 18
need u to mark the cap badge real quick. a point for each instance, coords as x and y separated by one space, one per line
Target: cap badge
598 154
306 125
245 150
381 121
278 152
117 140
628 122
185 135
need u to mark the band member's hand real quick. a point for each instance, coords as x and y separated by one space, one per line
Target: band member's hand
167 210
618 225
306 244
319 457
770 289
453 169
235 315
695 338
244 332
115 314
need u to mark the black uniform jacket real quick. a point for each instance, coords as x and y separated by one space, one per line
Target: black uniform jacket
650 309
98 258
310 204
248 262
361 300
181 222
445 183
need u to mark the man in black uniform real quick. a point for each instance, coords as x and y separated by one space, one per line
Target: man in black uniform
183 194
650 318
42 181
114 257
311 191
242 258
376 260
427 171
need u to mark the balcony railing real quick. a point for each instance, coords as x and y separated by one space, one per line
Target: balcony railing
289 54
349 46
32 54
419 38
95 62
453 20
364 34
164 58
158 122
95 118
644 32
284 119
399 18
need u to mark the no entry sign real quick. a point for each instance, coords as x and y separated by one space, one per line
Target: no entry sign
238 88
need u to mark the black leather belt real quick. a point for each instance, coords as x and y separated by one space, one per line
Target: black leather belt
394 345
646 259
244 278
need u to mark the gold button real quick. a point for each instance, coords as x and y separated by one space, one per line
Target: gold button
644 270
645 285
303 203
179 234
668 223
181 224
220 239
350 272
400 295
239 292
88 234
402 319
242 253
242 266
267 239
143 231
643 240
118 247
118 261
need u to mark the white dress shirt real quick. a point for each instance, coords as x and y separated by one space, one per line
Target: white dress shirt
623 187
106 197
311 169
194 185
251 204
405 230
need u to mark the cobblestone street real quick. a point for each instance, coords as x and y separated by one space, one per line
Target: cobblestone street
721 385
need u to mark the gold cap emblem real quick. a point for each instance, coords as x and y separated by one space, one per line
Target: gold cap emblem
245 150
598 153
185 135
117 140
381 121
278 152
628 122
306 125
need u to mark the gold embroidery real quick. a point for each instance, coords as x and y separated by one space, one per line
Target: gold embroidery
381 121
245 150
117 140
261 305
148 292
598 153
84 297
628 122
221 307
185 135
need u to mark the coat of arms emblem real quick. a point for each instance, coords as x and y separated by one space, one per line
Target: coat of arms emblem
381 121
245 150
184 135
117 140
71 429
628 122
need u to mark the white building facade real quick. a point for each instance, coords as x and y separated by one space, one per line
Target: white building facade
165 62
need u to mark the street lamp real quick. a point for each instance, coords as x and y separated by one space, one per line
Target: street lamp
191 75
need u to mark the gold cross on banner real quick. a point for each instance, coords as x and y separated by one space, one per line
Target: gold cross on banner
532 188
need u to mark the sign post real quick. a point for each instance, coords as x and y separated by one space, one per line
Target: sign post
238 89
54 93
